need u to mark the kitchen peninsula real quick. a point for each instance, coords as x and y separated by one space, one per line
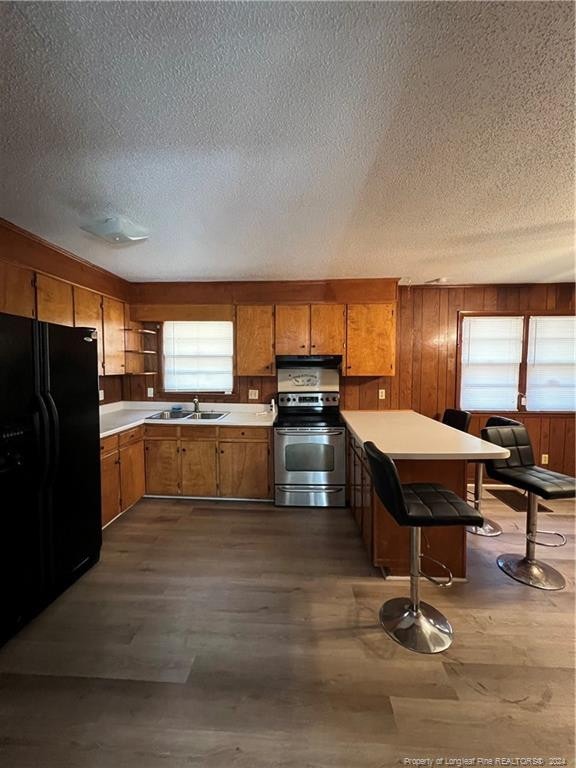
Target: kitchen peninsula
424 450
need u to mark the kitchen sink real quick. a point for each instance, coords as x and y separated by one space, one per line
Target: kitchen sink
201 416
207 416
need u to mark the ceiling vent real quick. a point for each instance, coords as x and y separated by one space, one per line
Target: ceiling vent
117 230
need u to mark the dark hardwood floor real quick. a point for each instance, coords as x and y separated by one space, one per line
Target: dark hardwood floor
236 635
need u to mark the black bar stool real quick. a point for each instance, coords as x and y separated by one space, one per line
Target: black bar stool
410 622
490 527
461 420
520 471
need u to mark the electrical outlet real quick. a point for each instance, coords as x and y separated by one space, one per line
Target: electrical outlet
101 394
544 458
253 394
381 394
150 392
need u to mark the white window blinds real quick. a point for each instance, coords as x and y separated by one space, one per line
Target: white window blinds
491 356
551 364
198 356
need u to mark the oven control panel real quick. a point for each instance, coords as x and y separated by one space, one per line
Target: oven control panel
308 399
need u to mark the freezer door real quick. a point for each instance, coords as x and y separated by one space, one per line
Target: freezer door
70 390
23 469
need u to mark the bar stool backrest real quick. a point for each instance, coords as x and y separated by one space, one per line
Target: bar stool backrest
387 483
502 421
457 419
516 439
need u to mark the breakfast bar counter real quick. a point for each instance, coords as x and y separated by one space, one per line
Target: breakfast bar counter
424 450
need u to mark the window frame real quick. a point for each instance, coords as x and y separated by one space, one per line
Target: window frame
523 370
214 397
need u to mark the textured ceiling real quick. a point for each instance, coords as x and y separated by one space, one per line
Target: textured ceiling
295 140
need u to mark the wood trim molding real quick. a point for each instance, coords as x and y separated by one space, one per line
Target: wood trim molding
346 291
162 312
27 250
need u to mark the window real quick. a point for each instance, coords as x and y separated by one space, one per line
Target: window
520 362
551 365
198 356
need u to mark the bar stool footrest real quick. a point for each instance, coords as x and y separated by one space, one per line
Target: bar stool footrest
534 540
534 573
424 630
434 579
490 528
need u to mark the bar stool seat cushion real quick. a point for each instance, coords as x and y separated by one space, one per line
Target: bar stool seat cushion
431 504
543 482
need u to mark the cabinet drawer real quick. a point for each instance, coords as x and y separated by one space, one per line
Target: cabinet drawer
131 435
151 430
198 433
108 444
244 433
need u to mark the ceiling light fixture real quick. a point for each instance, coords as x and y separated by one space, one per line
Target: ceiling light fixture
117 230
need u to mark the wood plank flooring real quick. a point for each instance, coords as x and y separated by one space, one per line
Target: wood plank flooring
229 635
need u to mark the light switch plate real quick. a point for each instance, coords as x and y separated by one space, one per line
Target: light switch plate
101 394
381 394
544 458
253 394
150 392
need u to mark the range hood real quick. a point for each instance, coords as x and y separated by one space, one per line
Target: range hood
308 361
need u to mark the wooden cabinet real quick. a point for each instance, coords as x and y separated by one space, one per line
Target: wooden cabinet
114 353
292 329
132 482
327 329
231 462
310 329
88 314
371 340
110 485
162 467
199 468
17 294
121 472
255 340
54 299
244 470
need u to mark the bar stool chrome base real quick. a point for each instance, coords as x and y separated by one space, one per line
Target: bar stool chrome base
534 573
490 528
424 630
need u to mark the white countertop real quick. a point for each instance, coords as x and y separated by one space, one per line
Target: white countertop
409 435
126 415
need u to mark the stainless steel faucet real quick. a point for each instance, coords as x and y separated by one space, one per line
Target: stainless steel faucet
196 405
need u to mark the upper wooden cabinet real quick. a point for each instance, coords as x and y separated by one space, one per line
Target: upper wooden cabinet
114 350
310 329
17 296
54 300
255 340
371 334
88 314
327 329
292 329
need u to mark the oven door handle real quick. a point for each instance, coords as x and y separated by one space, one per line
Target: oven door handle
297 433
308 489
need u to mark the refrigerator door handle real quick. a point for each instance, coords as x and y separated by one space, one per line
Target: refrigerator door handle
55 434
43 439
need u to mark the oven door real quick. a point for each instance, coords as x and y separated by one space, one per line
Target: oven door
309 456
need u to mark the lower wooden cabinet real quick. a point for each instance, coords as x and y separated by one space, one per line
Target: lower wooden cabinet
244 470
121 472
132 482
199 467
110 482
226 462
162 467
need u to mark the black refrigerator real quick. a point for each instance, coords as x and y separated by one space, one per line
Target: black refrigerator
50 530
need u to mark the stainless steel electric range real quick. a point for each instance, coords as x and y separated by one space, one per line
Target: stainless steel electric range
309 434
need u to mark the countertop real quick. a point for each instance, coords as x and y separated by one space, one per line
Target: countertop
409 435
120 416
